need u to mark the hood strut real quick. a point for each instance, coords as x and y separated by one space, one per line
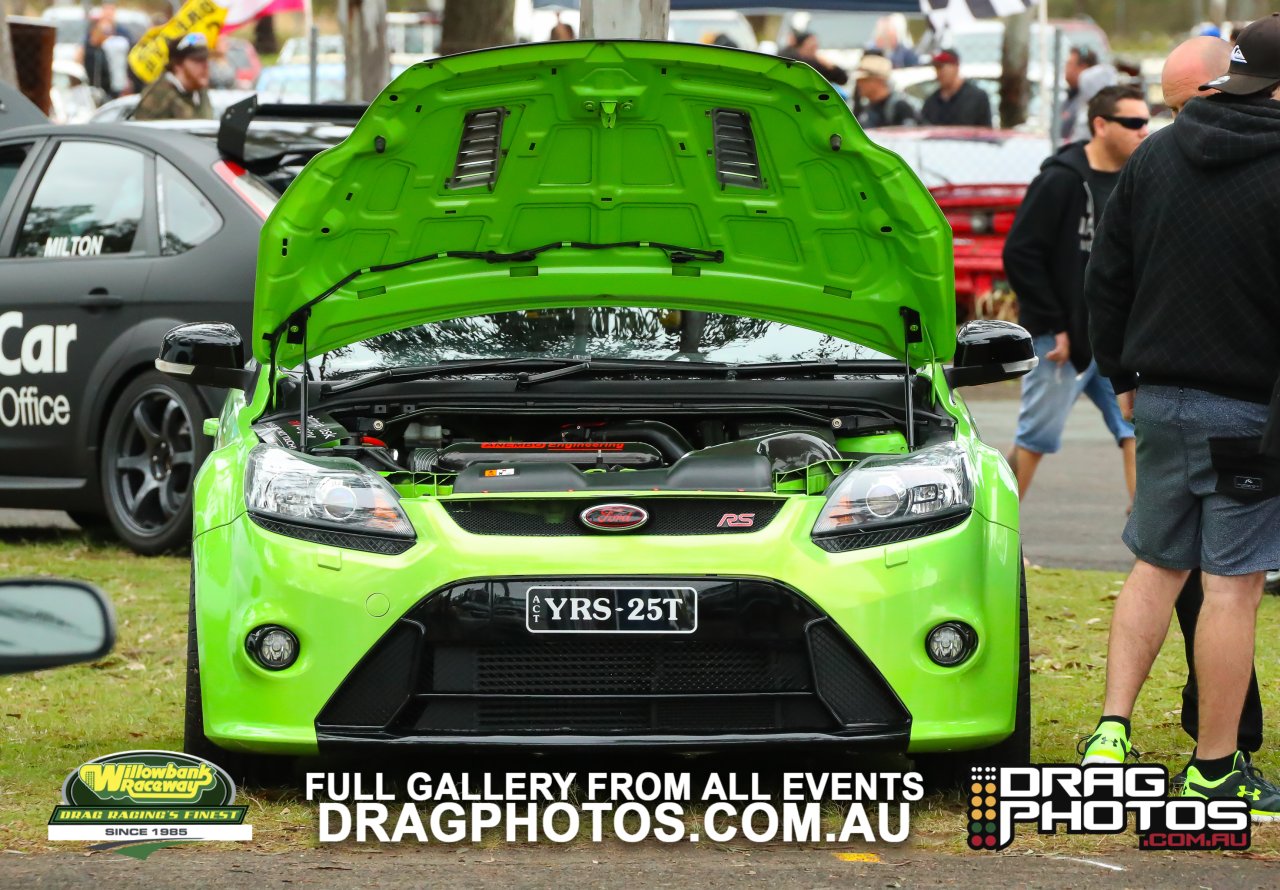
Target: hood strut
911 333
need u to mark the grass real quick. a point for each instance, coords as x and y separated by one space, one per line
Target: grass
52 721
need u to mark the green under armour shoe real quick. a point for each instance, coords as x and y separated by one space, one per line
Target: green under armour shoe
1242 783
1109 744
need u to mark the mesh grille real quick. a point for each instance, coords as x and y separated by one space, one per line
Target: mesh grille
708 717
367 543
559 518
844 543
379 686
847 683
620 667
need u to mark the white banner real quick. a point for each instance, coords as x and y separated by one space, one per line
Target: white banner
166 832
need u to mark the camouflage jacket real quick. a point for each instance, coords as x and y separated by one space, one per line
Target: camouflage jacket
165 100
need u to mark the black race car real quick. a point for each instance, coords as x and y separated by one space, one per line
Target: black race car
110 235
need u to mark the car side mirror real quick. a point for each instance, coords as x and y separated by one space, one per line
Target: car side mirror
47 623
206 352
989 351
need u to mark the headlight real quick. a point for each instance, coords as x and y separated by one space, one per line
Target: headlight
895 489
322 492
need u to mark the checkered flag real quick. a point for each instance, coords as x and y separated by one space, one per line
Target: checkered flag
947 14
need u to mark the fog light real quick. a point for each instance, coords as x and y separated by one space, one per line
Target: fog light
272 646
951 643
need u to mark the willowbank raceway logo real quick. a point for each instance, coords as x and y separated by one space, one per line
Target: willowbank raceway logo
1099 799
136 802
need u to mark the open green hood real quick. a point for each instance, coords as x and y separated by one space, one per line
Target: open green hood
655 174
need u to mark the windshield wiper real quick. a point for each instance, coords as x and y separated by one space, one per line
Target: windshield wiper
816 368
569 367
420 372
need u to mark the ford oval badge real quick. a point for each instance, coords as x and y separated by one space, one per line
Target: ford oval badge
614 517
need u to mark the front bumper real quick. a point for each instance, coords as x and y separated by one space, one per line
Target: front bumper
348 608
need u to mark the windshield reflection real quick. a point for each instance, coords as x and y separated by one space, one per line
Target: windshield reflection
596 333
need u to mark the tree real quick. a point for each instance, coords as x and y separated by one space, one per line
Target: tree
365 34
476 24
1014 86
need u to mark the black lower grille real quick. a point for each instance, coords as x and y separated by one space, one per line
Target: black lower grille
847 682
559 518
597 717
621 666
762 660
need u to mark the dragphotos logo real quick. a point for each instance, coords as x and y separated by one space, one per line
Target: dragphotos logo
1099 799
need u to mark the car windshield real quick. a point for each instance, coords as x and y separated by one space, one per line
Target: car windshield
949 161
985 45
294 85
595 333
691 29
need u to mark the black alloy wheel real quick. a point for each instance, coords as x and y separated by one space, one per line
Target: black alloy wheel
151 450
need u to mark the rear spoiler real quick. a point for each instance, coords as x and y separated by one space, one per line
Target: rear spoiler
233 132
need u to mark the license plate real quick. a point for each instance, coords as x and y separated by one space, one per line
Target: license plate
611 610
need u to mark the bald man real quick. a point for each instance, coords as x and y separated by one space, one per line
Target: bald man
1193 62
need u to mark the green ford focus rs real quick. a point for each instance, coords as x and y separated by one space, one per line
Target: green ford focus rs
604 393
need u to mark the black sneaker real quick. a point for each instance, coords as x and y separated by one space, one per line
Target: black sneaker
1242 783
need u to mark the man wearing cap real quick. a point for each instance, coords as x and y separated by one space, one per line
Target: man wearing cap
182 92
1193 62
876 104
1184 303
956 102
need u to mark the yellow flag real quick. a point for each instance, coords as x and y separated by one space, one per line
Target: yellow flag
150 55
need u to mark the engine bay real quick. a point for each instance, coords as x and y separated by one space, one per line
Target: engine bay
439 451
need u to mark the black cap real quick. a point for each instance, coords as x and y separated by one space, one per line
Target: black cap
1255 61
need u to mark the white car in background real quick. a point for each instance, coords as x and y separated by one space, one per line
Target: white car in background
704 25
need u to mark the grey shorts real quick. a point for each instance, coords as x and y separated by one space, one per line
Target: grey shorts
1179 520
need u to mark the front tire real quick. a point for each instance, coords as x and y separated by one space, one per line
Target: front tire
151 450
950 770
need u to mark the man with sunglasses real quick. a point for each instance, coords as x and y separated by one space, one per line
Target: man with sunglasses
1184 300
1045 257
182 92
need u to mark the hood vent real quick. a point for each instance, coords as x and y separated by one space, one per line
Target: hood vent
735 144
479 149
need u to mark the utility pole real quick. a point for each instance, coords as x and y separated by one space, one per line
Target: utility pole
476 24
1014 93
625 19
8 68
364 26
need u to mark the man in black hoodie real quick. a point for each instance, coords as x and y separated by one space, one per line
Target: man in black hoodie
1045 257
1183 291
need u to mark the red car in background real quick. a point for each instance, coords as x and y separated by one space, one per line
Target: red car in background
978 177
